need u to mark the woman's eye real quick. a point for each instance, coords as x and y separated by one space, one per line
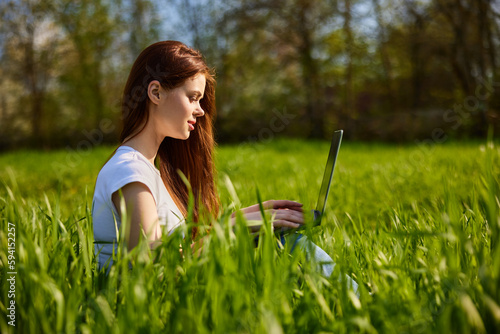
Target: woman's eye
195 98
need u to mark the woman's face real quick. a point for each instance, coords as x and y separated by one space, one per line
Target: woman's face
179 108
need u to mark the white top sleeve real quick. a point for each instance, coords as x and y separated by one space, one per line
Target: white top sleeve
126 166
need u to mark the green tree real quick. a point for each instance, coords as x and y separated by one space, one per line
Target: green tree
29 43
143 25
289 35
89 28
473 53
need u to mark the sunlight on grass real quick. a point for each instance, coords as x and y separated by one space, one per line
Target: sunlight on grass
420 236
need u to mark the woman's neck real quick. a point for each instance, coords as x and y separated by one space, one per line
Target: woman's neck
146 143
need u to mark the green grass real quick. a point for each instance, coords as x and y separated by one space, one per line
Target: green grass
418 230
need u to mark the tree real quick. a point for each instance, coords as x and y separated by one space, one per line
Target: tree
348 108
384 56
29 44
89 28
473 51
289 34
143 25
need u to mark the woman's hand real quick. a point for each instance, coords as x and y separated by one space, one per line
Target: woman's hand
286 214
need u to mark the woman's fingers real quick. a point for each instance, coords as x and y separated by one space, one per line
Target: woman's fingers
274 204
282 204
284 213
288 215
284 223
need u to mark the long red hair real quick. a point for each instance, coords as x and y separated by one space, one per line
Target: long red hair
172 63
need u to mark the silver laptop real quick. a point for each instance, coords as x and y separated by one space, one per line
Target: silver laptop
325 184
327 177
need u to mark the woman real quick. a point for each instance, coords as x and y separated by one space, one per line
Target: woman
168 110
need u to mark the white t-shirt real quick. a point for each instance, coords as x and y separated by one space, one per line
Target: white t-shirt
126 166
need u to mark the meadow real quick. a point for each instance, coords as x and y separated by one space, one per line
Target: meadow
416 226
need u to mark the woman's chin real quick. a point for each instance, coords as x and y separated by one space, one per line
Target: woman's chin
183 136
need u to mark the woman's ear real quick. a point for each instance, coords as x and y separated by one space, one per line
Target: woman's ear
154 91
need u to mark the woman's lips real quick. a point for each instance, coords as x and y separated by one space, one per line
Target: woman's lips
191 126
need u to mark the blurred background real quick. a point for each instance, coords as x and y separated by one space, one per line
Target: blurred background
384 70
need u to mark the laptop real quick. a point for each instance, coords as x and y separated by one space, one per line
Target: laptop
327 177
325 184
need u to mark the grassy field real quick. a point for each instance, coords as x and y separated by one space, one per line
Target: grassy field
418 228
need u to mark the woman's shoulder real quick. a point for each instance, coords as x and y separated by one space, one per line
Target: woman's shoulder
128 160
128 165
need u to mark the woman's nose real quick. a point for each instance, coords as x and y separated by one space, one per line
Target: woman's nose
199 111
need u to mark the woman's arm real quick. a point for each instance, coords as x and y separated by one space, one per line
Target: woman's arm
141 208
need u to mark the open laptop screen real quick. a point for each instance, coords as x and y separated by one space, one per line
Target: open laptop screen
327 177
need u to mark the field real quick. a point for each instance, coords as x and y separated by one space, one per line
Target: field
416 226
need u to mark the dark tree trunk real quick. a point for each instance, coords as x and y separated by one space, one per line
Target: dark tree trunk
310 76
348 109
36 93
385 59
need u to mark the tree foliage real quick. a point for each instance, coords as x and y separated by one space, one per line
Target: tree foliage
380 69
